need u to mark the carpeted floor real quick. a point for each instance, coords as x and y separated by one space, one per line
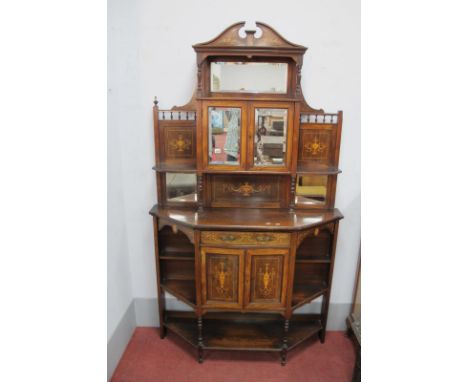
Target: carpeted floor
148 358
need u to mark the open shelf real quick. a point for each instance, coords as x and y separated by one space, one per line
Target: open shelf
184 290
174 168
303 169
176 255
313 260
305 292
175 244
316 247
236 331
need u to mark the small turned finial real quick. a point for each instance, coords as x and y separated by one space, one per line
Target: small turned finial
155 101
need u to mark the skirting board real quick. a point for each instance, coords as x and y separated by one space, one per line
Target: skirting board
144 312
119 340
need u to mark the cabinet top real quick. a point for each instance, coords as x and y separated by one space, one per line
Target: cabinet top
247 218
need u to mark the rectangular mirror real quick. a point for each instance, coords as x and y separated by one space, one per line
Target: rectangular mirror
249 77
311 190
181 187
224 135
270 137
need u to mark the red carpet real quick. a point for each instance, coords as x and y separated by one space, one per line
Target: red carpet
148 358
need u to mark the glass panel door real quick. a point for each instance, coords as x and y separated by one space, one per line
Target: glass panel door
224 135
271 133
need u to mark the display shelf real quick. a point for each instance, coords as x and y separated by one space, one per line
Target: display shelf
313 260
306 292
174 167
184 290
304 170
186 256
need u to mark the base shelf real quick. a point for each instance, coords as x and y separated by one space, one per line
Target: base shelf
243 331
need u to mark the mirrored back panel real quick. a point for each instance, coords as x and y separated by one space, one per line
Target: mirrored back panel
180 187
311 190
249 77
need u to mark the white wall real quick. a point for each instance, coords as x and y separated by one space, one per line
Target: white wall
119 283
151 54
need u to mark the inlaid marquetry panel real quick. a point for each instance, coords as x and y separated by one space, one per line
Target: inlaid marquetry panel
316 147
265 276
248 190
267 272
245 238
179 143
222 277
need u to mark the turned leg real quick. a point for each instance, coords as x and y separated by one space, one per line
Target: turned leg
200 340
284 350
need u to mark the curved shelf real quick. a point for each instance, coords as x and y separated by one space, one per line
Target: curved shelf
318 171
247 218
184 290
303 293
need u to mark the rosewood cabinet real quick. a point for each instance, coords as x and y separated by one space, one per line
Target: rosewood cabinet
245 227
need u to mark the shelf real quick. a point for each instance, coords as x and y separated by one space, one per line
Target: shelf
312 260
247 172
306 292
174 168
184 324
177 256
243 331
304 170
245 219
184 290
302 327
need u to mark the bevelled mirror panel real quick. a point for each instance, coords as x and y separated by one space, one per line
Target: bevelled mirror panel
311 190
181 187
224 134
249 77
270 137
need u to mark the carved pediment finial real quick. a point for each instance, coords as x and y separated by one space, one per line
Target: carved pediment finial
241 35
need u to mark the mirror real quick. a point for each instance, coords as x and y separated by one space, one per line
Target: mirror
311 190
270 137
181 187
224 132
249 77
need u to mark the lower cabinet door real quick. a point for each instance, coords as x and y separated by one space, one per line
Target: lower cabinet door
265 278
222 277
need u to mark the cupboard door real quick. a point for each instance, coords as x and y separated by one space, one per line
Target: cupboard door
224 135
270 136
222 277
266 278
